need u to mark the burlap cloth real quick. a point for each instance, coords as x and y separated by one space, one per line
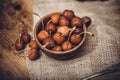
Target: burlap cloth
96 54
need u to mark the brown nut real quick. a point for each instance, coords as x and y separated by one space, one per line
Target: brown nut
57 48
63 21
42 35
64 30
50 27
55 18
69 14
59 39
66 46
25 37
19 45
33 54
75 39
87 20
33 44
77 21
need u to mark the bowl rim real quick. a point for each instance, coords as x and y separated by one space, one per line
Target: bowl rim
56 52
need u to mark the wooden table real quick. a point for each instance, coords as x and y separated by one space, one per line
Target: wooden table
13 67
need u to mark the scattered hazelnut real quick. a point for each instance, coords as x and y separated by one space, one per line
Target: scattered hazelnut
33 54
25 37
33 44
19 45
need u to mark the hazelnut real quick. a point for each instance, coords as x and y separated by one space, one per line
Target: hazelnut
25 37
57 48
19 45
63 21
50 27
66 46
33 44
64 30
75 39
69 14
42 35
77 21
58 38
33 54
55 18
87 20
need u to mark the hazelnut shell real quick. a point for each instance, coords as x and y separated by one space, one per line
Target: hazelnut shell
33 54
33 44
19 45
42 35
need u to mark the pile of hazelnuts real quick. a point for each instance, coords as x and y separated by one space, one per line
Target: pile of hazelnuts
63 31
22 42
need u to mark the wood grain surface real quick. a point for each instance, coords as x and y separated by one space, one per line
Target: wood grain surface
12 67
13 12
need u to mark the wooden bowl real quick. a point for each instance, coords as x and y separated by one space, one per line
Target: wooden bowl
62 55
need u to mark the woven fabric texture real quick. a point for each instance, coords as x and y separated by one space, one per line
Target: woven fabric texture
96 54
